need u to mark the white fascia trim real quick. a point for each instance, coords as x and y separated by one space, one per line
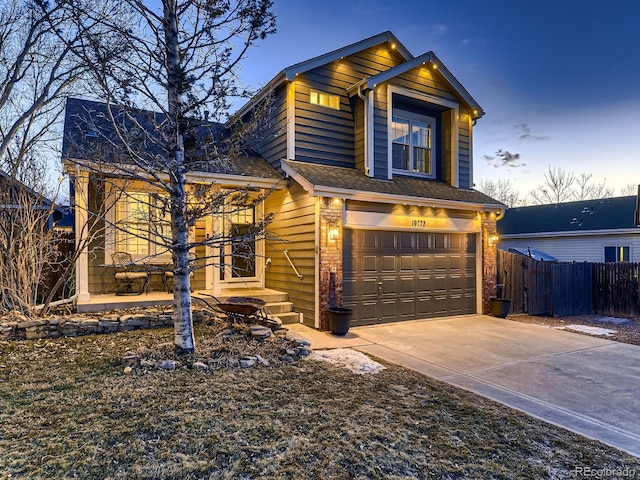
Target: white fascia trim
370 150
583 233
199 177
257 98
291 120
303 182
236 180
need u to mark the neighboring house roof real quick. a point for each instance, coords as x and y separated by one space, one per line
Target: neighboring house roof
88 130
423 59
410 62
324 180
581 217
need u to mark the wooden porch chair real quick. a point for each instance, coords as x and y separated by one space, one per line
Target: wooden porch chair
168 275
125 276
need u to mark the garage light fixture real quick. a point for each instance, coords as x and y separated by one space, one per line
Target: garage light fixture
493 239
333 233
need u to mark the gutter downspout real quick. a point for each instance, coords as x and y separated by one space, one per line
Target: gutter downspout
367 168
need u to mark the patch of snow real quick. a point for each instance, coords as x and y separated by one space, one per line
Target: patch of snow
615 320
352 360
588 329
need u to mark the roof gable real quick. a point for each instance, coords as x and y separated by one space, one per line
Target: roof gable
291 72
586 215
426 58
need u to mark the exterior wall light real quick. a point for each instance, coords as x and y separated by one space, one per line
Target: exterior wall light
333 233
493 239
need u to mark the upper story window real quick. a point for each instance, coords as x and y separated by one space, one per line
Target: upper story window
413 146
616 254
324 99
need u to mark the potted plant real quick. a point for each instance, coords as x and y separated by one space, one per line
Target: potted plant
339 320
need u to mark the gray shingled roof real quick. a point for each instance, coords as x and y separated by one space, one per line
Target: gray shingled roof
354 179
86 130
605 214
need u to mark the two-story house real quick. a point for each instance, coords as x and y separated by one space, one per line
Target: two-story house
378 211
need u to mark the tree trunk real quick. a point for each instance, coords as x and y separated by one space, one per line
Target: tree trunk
182 317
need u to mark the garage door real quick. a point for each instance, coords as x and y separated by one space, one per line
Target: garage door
395 276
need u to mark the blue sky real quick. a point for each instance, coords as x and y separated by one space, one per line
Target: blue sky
559 80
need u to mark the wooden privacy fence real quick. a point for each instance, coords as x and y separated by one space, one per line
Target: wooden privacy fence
550 288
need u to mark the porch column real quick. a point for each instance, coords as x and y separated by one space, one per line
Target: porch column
81 234
212 270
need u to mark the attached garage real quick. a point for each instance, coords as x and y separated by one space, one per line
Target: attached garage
391 276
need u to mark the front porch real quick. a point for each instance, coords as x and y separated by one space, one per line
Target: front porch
277 302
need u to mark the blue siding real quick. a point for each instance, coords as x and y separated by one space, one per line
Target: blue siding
328 136
464 154
273 144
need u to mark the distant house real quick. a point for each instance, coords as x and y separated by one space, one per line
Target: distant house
16 195
584 231
369 156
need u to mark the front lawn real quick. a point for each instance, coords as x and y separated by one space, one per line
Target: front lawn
68 410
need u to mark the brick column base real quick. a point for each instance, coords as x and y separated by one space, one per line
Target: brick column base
330 257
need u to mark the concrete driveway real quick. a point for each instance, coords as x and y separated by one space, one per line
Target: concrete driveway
588 385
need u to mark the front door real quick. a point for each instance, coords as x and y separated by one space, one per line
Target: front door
241 258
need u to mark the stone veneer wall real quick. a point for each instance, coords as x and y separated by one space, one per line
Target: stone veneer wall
489 259
330 256
18 327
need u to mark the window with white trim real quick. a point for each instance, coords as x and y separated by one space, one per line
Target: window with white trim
324 99
142 222
413 145
617 254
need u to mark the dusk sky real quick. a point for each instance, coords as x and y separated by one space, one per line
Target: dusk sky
559 80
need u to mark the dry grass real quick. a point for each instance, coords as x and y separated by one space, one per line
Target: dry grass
67 410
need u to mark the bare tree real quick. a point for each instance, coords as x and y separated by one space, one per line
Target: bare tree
178 64
27 246
557 187
501 190
37 68
629 189
586 189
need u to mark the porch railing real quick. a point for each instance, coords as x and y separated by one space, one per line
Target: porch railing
286 254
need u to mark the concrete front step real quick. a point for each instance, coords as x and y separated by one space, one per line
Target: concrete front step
289 318
279 307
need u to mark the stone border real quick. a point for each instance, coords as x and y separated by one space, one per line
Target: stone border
18 327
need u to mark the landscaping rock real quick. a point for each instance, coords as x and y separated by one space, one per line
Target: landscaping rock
234 363
167 364
200 366
259 332
262 361
304 351
246 362
298 339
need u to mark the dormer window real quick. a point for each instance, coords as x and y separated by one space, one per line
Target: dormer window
413 146
324 99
